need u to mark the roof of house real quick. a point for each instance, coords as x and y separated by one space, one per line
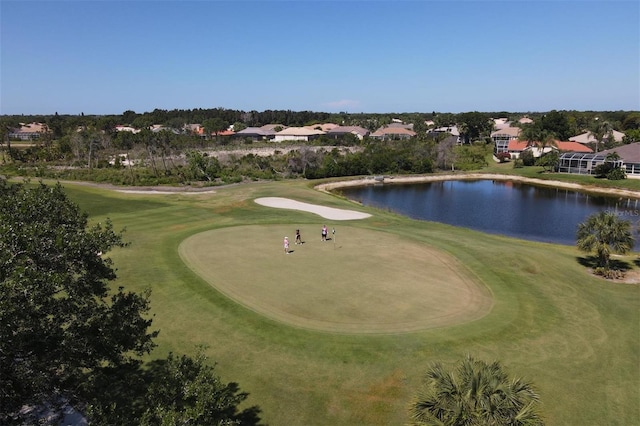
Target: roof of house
563 146
588 138
271 127
259 131
299 131
31 128
629 153
393 131
447 129
325 127
511 131
571 146
396 124
349 129
525 120
517 145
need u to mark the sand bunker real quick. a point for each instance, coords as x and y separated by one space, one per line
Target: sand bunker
325 212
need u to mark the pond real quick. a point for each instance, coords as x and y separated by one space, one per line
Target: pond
501 207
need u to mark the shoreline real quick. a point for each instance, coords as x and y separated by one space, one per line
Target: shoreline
328 187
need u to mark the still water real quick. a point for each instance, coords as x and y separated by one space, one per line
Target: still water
499 207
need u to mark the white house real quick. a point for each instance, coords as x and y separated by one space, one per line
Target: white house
588 138
297 134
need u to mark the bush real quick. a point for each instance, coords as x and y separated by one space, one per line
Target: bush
527 158
610 274
616 174
503 157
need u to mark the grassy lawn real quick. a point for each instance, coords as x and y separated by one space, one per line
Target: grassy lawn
299 331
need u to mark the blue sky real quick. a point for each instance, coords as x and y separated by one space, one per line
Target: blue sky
106 57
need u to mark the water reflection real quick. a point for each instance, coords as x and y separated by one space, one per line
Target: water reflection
500 207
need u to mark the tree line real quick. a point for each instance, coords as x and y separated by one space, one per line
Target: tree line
61 124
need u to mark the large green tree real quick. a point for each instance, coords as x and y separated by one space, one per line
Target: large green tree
59 320
68 338
475 393
186 391
473 125
605 233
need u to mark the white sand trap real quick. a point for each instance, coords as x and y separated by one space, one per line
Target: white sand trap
325 212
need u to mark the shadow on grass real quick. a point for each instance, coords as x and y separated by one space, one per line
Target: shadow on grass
592 262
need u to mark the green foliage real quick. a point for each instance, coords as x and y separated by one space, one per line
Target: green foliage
549 161
611 168
201 166
557 124
631 135
59 321
605 233
475 393
616 173
473 125
185 390
471 157
527 158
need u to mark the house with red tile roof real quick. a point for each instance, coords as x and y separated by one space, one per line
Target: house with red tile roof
516 147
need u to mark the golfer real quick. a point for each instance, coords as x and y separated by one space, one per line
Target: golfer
298 237
325 231
286 245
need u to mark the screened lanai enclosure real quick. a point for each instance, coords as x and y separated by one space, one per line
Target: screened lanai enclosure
580 162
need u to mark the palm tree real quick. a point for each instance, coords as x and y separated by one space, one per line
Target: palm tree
476 393
600 130
605 233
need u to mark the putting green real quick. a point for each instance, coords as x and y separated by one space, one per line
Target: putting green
362 281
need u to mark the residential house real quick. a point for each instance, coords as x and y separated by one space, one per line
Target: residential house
630 157
297 134
194 129
580 162
502 137
256 133
359 132
28 132
452 130
500 123
392 132
122 128
588 138
516 147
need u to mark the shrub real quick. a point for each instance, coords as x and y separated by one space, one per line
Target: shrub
617 173
527 158
503 156
610 274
